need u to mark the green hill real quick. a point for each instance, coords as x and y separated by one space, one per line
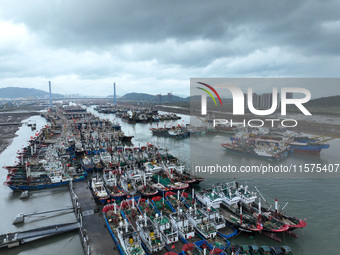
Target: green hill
15 92
155 98
332 101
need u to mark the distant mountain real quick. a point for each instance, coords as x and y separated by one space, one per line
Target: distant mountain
147 97
15 92
325 101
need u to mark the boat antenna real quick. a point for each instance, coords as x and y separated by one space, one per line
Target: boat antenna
261 195
283 207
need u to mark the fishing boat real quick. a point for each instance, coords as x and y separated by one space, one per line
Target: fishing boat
152 167
139 117
254 249
149 234
302 144
246 196
175 132
209 198
276 250
160 187
190 200
189 175
242 222
126 138
111 184
308 146
87 164
200 222
168 232
78 148
128 185
42 182
215 216
290 221
178 133
265 250
191 248
98 190
42 175
106 158
165 178
175 200
239 250
228 193
161 204
97 163
129 239
286 250
176 172
122 232
266 149
209 248
270 224
144 188
155 118
88 149
147 209
131 210
181 223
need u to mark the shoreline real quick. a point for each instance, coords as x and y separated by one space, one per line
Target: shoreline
8 133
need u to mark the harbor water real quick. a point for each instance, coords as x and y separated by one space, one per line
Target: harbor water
11 205
313 199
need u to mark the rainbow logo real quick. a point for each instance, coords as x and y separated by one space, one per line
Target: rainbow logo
209 93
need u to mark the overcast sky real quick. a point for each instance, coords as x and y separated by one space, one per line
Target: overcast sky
155 46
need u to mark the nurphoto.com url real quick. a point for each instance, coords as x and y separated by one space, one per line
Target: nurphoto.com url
268 168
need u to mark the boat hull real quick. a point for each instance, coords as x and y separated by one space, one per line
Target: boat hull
253 154
126 138
43 186
310 149
118 197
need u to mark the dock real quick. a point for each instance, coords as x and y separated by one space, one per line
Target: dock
15 239
95 237
11 124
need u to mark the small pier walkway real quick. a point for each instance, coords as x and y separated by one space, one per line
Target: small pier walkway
94 234
11 124
15 239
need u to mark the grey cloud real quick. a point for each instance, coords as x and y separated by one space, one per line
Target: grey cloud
89 23
165 41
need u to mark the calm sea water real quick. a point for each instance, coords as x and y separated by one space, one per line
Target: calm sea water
316 199
311 198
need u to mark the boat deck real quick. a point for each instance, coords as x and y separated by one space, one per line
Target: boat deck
100 240
161 252
176 247
132 218
217 241
194 239
226 230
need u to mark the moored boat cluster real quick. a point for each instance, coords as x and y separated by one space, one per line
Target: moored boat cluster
149 200
274 146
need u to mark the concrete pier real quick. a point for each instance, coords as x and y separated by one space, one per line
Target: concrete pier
95 237
15 239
